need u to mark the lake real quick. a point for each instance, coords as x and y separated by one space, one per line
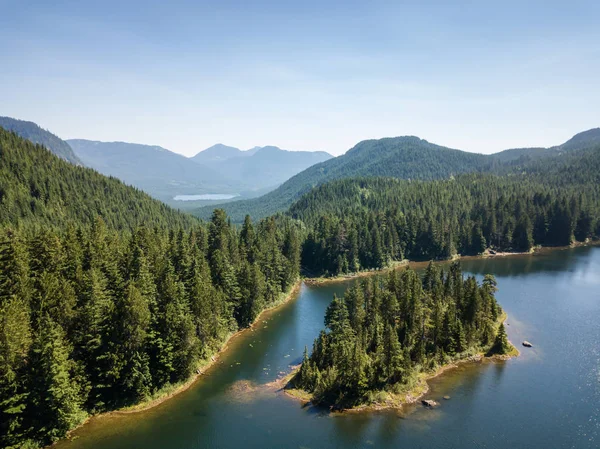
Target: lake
549 397
205 197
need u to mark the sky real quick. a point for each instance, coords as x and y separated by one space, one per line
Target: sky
480 76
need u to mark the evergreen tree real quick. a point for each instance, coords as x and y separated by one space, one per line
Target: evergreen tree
53 405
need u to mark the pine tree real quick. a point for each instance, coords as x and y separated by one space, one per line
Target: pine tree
15 342
54 405
501 344
134 313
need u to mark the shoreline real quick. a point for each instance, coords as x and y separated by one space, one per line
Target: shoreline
396 265
398 401
203 367
293 294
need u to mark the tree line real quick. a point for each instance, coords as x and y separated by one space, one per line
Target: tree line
387 330
357 224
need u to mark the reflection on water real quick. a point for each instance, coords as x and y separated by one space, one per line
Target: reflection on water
547 398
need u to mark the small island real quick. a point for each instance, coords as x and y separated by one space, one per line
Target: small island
389 334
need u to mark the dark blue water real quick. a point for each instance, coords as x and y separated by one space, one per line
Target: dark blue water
549 397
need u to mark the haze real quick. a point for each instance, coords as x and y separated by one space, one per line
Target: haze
304 76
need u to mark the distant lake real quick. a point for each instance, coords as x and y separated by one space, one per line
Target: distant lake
206 196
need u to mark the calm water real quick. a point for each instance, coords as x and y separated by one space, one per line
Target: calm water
547 398
205 196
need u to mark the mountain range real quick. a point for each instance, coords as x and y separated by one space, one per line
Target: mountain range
259 167
405 157
280 176
156 170
219 169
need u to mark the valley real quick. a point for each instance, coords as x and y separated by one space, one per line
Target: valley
299 225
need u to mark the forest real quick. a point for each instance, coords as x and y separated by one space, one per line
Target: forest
410 158
94 320
109 298
358 224
387 330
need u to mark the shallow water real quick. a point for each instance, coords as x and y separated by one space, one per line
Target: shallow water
549 397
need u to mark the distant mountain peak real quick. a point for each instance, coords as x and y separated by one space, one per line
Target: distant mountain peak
217 152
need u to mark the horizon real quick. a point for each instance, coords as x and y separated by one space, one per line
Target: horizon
480 78
300 150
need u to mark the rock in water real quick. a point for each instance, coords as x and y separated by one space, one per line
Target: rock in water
527 344
447 398
429 403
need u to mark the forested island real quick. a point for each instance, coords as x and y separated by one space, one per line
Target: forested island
387 333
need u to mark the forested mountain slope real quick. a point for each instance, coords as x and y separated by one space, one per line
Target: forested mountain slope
399 157
367 223
584 140
38 188
35 134
581 141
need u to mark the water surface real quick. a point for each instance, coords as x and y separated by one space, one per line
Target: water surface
205 196
547 398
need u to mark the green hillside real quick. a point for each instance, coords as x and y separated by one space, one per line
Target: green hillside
36 187
399 157
365 223
109 298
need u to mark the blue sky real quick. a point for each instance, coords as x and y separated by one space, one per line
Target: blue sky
475 75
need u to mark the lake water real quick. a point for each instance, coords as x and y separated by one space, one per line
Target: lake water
547 398
205 197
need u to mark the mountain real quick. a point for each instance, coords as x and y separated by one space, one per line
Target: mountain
404 158
583 140
260 167
39 188
400 157
217 153
160 172
32 132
